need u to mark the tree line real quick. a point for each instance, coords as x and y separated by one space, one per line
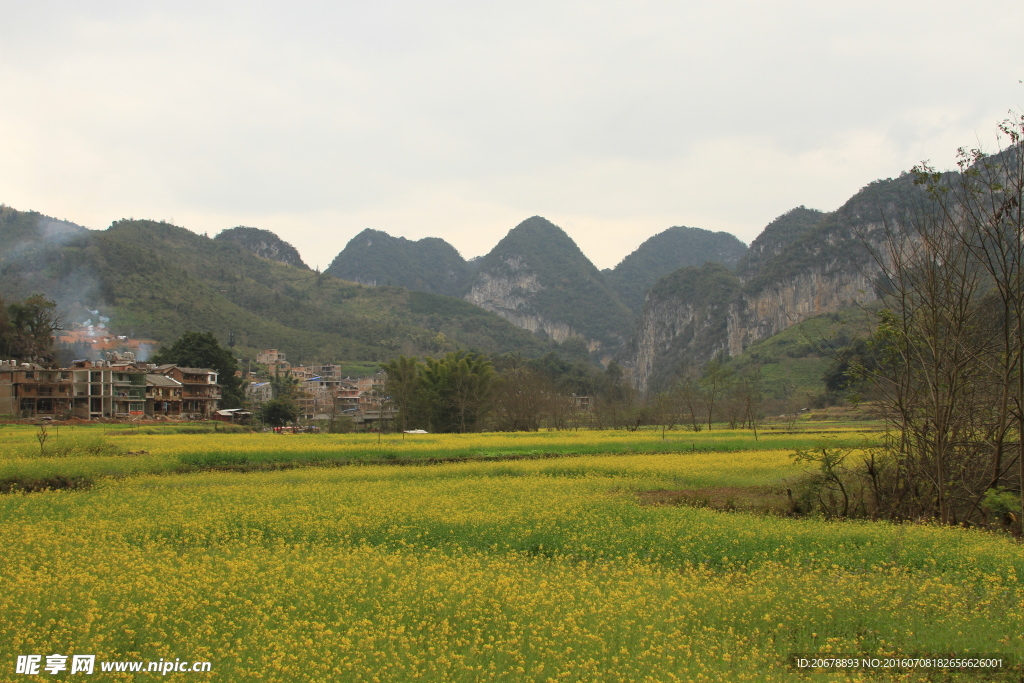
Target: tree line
464 392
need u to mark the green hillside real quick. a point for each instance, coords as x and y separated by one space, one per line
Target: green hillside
777 235
429 265
799 243
793 362
666 252
263 243
571 289
157 280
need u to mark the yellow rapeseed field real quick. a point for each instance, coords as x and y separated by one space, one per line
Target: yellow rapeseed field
538 570
99 450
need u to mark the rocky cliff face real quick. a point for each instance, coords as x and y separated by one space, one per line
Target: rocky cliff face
760 315
537 278
684 323
805 264
678 328
510 295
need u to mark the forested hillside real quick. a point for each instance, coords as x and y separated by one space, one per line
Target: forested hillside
777 235
804 264
668 251
263 243
157 280
428 265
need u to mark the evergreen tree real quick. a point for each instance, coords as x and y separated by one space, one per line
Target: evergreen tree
202 350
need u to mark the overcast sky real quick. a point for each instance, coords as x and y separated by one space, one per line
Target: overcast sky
459 119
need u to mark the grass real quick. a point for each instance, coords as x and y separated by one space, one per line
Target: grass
524 570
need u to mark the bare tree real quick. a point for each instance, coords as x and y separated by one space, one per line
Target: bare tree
521 398
691 400
714 382
948 346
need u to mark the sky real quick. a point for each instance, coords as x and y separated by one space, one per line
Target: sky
458 119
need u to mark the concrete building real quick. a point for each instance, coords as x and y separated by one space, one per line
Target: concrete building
259 393
200 392
86 390
270 356
163 396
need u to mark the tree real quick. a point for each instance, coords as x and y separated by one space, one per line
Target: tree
947 354
401 387
448 394
690 398
747 397
28 328
202 350
714 381
522 397
456 390
279 412
615 405
987 203
284 386
665 409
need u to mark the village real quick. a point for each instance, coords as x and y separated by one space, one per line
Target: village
121 388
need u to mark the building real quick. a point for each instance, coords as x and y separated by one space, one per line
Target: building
259 393
371 392
270 356
200 392
28 390
233 416
128 386
117 388
275 362
302 372
163 396
88 389
346 398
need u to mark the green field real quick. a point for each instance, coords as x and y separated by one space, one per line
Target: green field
489 568
83 455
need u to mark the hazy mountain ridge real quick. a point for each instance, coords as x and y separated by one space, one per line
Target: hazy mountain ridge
537 277
156 280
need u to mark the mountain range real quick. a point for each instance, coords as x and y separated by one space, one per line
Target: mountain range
805 263
156 280
683 296
537 278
